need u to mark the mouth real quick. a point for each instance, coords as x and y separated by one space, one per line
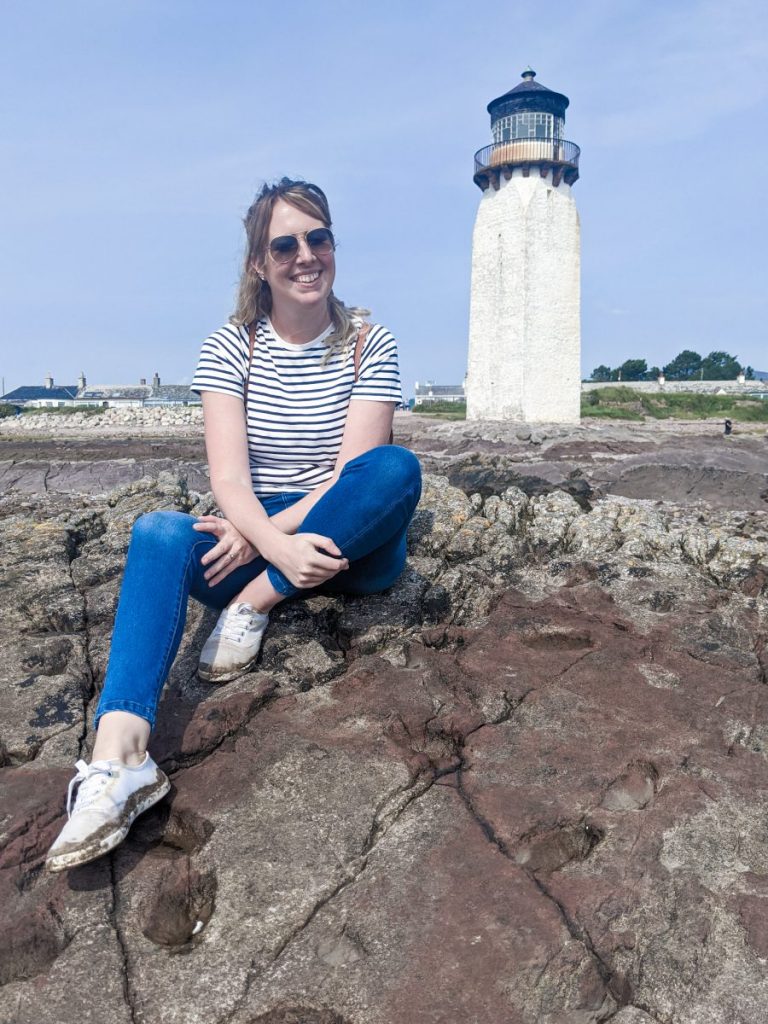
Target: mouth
308 278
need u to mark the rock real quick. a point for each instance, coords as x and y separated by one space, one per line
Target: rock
527 784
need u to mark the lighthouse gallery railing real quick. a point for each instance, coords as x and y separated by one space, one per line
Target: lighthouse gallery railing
527 151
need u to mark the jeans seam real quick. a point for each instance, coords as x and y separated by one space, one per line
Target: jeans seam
120 704
175 617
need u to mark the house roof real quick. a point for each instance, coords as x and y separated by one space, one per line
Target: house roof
135 393
173 393
32 393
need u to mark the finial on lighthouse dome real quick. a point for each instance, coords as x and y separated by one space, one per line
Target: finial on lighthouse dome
529 74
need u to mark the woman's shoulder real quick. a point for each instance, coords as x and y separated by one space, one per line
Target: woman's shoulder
229 334
377 336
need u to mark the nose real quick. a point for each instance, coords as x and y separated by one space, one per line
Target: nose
305 254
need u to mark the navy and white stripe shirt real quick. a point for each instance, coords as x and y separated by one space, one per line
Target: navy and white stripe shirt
296 407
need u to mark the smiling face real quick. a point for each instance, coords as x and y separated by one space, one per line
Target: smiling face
305 282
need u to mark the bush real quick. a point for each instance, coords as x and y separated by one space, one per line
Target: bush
6 409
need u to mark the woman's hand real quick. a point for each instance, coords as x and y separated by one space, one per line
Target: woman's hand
231 551
307 559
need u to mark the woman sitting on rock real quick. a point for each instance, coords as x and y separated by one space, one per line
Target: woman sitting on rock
298 397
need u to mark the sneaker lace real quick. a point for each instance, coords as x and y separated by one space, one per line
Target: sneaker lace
91 778
235 625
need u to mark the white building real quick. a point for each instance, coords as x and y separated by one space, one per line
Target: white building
429 392
524 332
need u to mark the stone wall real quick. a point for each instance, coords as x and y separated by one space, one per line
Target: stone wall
143 419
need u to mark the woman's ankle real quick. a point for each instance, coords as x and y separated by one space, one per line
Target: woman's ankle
121 736
260 594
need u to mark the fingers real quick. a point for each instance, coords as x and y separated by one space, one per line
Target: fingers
322 542
214 554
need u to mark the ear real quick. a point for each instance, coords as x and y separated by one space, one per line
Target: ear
257 269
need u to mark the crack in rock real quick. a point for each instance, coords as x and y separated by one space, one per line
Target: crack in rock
576 932
113 914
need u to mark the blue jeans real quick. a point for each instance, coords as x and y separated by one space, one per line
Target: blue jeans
366 513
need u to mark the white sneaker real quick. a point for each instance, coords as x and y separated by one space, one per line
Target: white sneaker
110 796
233 645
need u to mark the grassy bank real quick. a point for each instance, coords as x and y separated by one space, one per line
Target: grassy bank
68 410
626 404
443 410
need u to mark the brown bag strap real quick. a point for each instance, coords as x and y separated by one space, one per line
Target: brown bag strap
251 343
362 334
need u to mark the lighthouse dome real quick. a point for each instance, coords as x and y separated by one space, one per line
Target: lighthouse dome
529 111
528 95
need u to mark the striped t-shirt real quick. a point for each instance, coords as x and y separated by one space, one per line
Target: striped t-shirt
296 407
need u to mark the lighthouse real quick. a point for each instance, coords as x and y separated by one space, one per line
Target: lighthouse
524 321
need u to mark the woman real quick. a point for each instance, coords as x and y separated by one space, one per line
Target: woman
298 397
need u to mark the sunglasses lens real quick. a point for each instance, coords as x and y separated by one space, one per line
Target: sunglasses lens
283 248
320 241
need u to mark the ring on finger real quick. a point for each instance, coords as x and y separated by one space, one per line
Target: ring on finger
232 555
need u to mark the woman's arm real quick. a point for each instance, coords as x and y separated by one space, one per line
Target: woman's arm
226 445
307 559
367 426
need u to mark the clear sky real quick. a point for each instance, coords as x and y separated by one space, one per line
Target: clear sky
135 133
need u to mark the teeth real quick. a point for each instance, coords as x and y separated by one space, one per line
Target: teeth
307 278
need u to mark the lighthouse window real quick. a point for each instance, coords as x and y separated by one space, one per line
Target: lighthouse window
528 125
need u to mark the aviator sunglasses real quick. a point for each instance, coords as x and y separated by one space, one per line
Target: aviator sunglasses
285 248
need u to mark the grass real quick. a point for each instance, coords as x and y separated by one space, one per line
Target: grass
625 403
443 410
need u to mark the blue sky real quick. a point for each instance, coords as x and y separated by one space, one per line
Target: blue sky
134 135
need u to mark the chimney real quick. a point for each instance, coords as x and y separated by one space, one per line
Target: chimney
156 381
49 381
143 381
81 381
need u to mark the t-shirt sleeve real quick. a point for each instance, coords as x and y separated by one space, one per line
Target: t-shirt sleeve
222 363
379 377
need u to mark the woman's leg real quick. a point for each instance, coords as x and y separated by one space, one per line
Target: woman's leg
162 569
366 513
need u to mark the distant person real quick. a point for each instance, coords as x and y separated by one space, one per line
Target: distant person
728 428
298 398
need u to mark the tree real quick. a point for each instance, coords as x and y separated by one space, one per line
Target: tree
653 373
601 373
685 366
749 373
720 366
633 369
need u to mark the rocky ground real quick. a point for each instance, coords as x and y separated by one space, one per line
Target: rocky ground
528 785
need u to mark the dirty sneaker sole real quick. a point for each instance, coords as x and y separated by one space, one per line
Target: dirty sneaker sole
109 837
210 675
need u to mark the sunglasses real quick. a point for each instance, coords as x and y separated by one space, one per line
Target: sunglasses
285 248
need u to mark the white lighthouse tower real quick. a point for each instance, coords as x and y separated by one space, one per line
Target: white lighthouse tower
524 330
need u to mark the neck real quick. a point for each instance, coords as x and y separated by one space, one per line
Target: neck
299 326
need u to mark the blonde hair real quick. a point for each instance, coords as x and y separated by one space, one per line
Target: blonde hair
254 296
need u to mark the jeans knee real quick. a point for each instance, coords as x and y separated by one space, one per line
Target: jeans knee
164 529
398 469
